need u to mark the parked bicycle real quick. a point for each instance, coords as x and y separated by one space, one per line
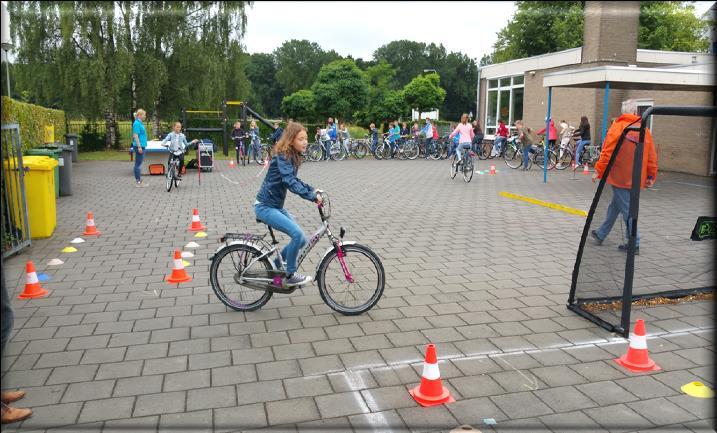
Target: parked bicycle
350 276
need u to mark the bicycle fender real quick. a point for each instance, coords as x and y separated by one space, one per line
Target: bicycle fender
328 251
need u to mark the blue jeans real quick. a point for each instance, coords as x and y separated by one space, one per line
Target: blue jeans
526 155
620 204
138 159
283 221
430 145
7 316
460 147
579 150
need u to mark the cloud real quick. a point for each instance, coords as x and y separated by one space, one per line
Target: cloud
359 28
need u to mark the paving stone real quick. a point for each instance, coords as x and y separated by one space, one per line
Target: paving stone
598 371
352 380
187 380
427 419
214 397
606 393
252 356
660 411
129 338
189 347
564 399
111 408
255 392
53 416
141 425
43 395
474 411
164 365
200 421
618 418
233 374
88 391
293 351
59 359
219 344
476 386
521 405
46 346
291 411
147 351
202 361
307 386
307 335
75 373
343 404
138 385
332 347
164 403
559 375
570 422
381 399
645 387
241 417
362 360
321 365
101 356
169 335
697 406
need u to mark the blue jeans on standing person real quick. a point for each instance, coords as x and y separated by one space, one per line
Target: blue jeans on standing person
138 159
498 144
579 150
526 154
620 205
282 220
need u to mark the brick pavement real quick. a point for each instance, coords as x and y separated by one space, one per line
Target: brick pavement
485 278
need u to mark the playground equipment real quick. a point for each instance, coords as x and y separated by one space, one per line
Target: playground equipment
223 120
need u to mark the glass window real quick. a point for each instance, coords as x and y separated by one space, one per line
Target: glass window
518 79
517 108
491 118
504 106
505 82
492 84
490 131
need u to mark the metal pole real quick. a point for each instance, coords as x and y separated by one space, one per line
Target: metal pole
546 148
7 70
605 111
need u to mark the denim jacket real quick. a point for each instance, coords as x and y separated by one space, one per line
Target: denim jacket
280 177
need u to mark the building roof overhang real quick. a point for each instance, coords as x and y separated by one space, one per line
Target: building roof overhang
626 77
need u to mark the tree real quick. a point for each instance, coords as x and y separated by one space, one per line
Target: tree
298 63
390 106
340 89
299 105
266 92
424 92
540 27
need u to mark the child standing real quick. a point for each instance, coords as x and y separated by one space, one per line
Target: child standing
255 140
238 138
269 205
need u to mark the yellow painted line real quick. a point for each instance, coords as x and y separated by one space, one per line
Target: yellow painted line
234 102
555 206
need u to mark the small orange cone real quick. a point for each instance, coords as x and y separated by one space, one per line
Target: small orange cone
90 229
585 169
637 358
32 284
196 224
492 169
231 163
179 275
431 391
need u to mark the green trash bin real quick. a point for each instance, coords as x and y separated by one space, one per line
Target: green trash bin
55 154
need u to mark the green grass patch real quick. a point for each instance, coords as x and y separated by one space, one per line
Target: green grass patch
104 155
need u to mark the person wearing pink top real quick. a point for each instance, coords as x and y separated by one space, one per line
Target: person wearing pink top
465 132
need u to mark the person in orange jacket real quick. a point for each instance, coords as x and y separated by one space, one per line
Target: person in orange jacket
620 176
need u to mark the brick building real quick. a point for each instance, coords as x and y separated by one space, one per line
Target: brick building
609 67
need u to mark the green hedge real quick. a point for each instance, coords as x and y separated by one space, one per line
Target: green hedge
32 120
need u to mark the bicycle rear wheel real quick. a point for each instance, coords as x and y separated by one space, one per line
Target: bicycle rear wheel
467 169
360 150
513 157
540 159
454 167
225 270
412 150
565 157
313 153
367 280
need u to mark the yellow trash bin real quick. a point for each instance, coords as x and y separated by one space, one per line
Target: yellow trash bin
40 194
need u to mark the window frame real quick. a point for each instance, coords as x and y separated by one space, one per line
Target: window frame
510 87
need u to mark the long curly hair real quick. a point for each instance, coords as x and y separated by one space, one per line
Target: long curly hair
285 144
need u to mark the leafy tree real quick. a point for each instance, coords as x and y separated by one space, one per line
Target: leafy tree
298 63
672 26
424 92
299 105
390 106
341 88
267 94
540 27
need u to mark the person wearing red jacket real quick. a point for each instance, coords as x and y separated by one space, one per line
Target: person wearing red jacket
501 137
552 134
620 176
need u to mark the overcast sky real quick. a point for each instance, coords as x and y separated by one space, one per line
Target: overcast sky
358 28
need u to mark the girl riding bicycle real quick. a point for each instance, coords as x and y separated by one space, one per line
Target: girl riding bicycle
176 143
465 131
269 205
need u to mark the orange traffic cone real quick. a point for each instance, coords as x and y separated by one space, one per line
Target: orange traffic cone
179 275
196 224
637 359
492 169
585 169
90 229
32 284
431 391
231 163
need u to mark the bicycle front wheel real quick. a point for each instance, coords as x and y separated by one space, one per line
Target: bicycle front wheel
224 276
540 159
565 157
513 157
170 177
360 151
412 150
314 152
454 167
356 292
